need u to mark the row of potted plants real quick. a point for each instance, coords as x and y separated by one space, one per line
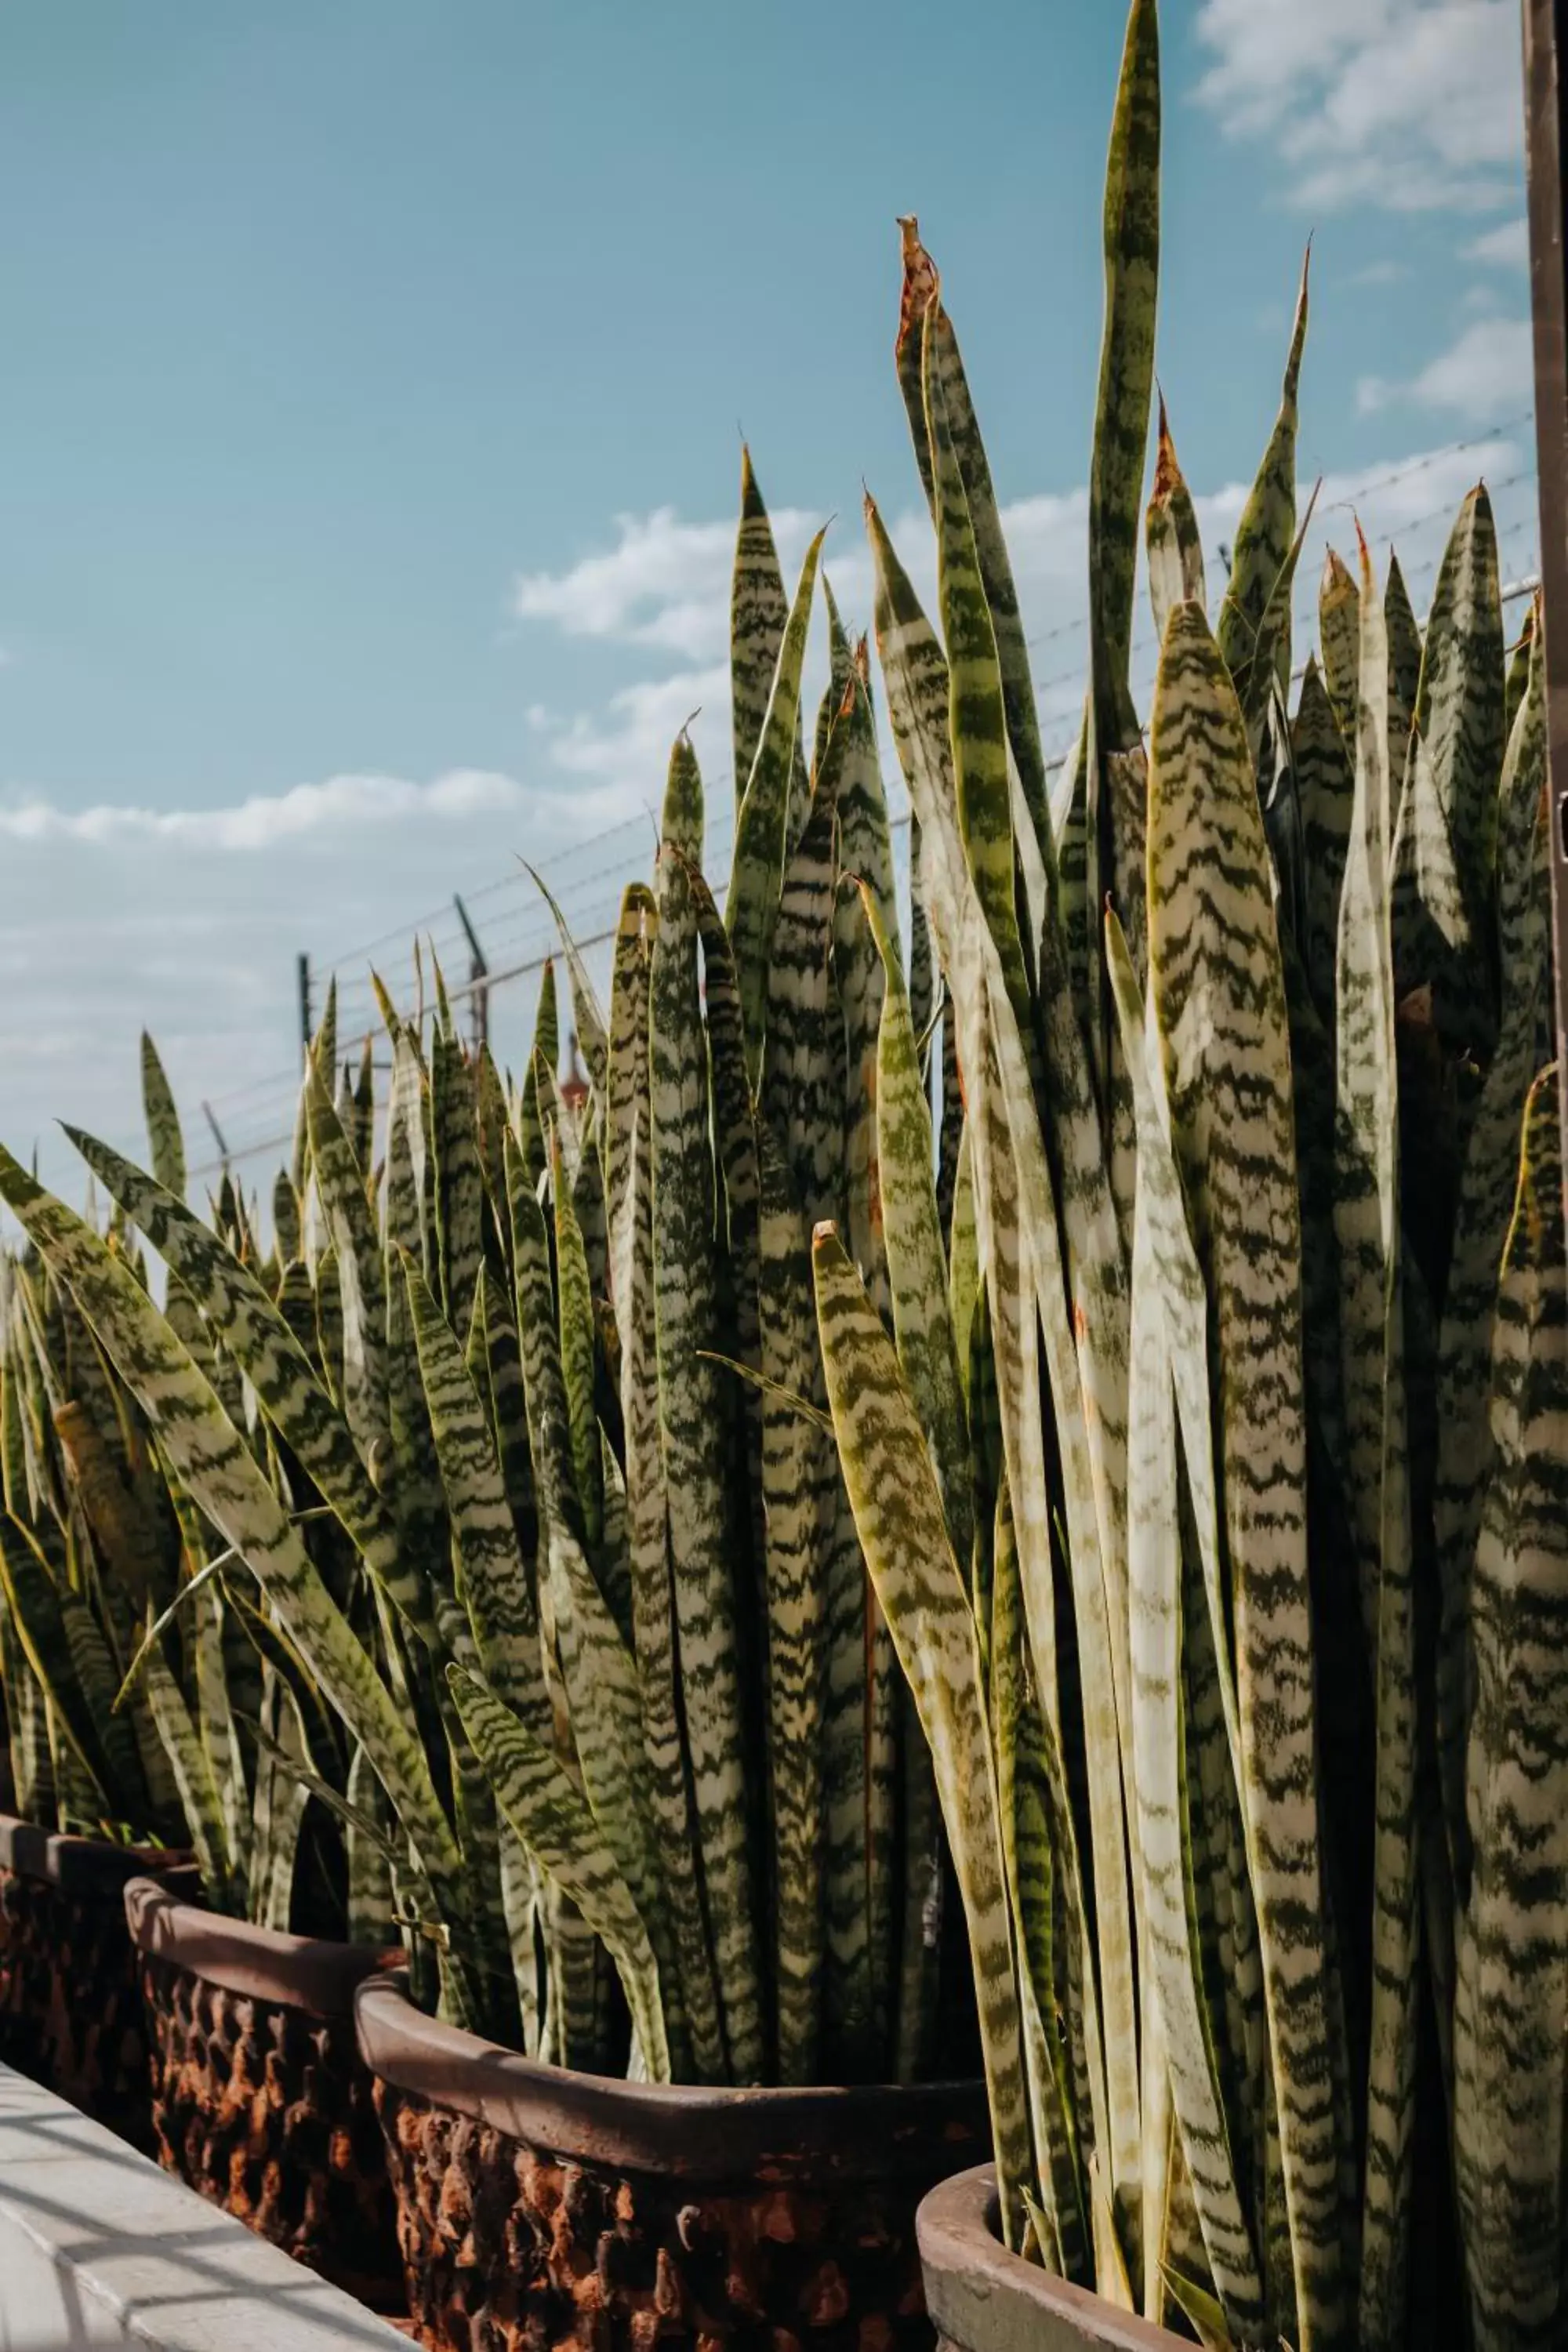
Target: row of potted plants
987 1505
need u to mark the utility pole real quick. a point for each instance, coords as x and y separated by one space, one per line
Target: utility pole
1546 136
307 1026
217 1134
479 974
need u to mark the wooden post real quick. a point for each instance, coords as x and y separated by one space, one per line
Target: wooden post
1545 50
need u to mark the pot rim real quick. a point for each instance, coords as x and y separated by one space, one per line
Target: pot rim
307 1972
984 2298
818 2135
80 1866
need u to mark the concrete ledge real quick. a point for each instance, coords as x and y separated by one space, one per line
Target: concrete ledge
99 2248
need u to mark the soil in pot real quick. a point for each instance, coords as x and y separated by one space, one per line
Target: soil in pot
540 2207
260 2102
70 2004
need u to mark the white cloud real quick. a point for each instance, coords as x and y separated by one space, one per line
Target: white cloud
1413 105
665 582
266 821
1488 370
1507 246
1377 273
188 920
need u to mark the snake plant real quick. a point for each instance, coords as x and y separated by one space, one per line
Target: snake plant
1114 1412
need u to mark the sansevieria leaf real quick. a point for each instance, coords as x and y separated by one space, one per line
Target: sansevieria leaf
554 1823
1219 1003
899 1520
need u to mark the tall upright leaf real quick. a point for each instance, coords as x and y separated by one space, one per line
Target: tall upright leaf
691 1415
1219 1000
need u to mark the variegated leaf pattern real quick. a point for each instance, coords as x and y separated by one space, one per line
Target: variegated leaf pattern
762 843
1459 702
1339 633
554 1823
494 1587
926 344
1132 244
1325 785
899 1516
1511 2018
165 1144
759 613
1219 1003
1172 544
691 1415
275 1364
1264 537
1486 1187
213 1461
1371 1329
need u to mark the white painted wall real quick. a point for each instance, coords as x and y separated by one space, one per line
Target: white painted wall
99 2248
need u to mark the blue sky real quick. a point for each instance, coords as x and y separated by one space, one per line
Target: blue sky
368 418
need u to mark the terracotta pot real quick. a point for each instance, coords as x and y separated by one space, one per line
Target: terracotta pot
983 2299
70 2009
259 2101
540 2207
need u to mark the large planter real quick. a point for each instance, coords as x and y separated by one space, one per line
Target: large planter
538 2207
70 2009
985 2299
259 2101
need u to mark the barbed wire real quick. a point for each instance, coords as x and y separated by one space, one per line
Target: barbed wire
517 944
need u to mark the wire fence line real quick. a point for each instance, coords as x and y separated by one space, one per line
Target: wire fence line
498 936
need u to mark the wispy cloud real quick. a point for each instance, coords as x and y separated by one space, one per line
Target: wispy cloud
1411 105
1487 370
267 820
1506 246
665 582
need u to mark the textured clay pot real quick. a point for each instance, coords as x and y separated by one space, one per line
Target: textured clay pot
70 2009
259 2101
540 2208
983 2299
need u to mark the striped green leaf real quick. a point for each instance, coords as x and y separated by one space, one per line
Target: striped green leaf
574 1294
1510 2017
1264 537
1486 1189
33 1606
1159 1673
977 715
340 1186
1170 540
694 2016
1459 702
797 1483
1219 1004
1339 632
495 1589
1325 785
553 1821
1131 243
223 1477
761 845
924 322
691 1415
759 615
607 1722
199 1793
592 1034
899 1516
923 1324
277 1367
1371 1327
165 1144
